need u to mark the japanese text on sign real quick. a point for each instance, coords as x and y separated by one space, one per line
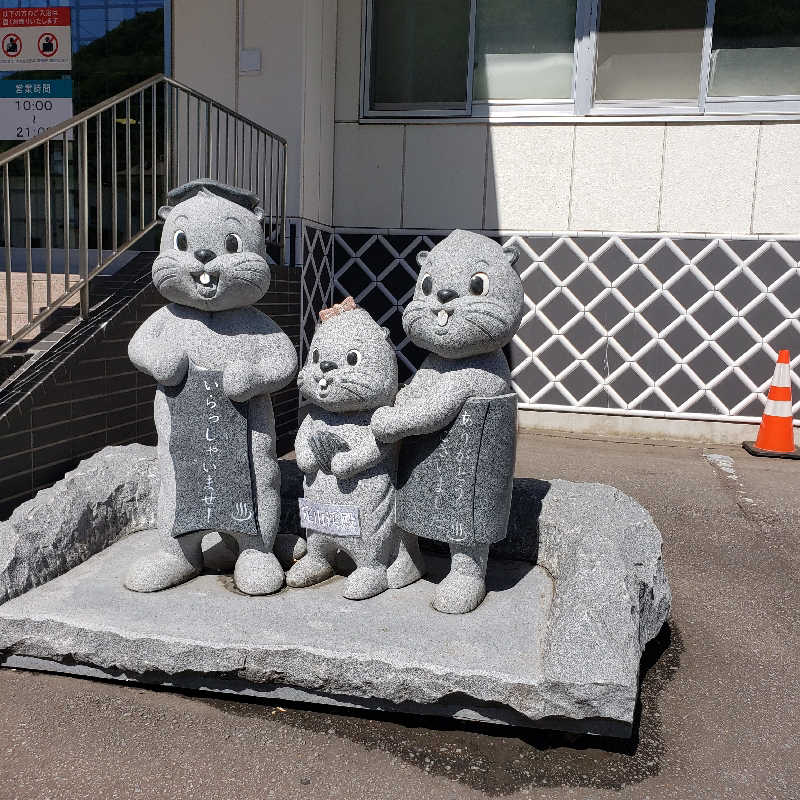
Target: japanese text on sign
28 108
35 38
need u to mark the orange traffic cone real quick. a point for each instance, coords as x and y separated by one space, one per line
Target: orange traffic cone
776 436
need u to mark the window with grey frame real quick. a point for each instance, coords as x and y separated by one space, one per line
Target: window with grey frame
555 57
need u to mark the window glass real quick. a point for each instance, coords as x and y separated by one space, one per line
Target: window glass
524 49
649 51
420 53
756 48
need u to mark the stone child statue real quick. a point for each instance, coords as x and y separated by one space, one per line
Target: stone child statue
467 305
349 478
216 360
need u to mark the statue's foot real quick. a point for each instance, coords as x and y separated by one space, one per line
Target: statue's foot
158 571
308 571
257 573
289 548
404 571
365 582
459 593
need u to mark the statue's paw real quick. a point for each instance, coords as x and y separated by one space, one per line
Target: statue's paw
384 425
169 370
404 571
344 466
459 594
365 582
257 573
238 381
289 548
308 571
158 571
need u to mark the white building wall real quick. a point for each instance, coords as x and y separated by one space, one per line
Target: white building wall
277 30
579 175
777 195
651 177
368 175
708 178
444 181
528 176
317 109
575 175
616 177
201 27
292 95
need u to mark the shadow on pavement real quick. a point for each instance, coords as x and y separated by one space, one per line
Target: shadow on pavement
493 760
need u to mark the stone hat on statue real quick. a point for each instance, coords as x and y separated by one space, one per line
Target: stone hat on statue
236 195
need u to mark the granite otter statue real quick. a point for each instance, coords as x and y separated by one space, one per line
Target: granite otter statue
467 305
216 361
349 481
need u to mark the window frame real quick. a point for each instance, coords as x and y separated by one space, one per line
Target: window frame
582 103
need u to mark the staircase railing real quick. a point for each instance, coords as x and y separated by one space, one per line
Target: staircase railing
82 193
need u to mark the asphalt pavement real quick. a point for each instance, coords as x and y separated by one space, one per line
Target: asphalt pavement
719 715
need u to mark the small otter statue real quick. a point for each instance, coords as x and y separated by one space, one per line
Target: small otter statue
216 360
349 482
467 305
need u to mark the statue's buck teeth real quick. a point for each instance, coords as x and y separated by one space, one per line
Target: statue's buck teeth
443 318
205 279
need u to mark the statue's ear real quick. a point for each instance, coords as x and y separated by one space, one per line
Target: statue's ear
422 257
512 254
259 213
164 212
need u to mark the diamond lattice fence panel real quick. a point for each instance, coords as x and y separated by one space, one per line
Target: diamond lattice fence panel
677 327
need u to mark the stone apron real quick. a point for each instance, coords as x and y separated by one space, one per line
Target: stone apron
210 448
455 485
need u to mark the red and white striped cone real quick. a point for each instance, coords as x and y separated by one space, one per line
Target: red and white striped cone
776 434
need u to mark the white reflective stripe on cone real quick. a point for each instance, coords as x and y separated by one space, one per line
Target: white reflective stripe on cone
782 375
778 408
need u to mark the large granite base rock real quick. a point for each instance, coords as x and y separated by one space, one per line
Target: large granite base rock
106 497
557 642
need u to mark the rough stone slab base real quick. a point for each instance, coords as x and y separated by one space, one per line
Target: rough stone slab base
306 644
576 591
106 497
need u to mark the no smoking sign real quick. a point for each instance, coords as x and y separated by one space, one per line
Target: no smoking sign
35 38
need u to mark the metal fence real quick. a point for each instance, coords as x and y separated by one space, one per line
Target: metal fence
82 193
677 326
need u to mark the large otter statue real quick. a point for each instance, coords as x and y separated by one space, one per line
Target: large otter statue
216 360
457 417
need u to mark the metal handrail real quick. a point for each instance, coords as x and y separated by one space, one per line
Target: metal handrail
190 136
